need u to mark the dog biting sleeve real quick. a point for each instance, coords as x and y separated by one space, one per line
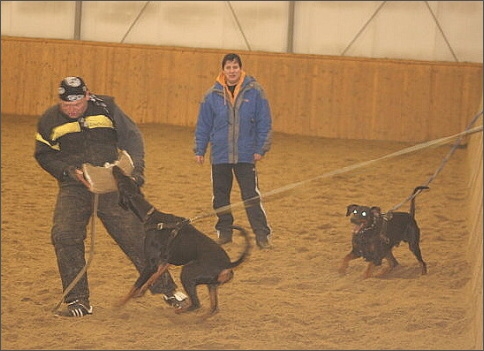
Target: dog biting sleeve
101 179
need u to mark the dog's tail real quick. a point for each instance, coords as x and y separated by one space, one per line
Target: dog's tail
414 195
247 248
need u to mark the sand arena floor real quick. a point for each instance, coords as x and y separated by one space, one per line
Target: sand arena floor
291 297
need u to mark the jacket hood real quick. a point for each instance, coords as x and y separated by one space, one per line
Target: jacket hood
221 79
244 80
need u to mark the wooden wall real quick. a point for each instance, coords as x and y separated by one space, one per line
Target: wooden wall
475 225
334 97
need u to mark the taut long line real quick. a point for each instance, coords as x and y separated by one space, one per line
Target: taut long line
288 187
346 169
443 163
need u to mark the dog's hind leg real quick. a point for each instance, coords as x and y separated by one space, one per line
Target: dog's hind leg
213 292
415 248
190 273
413 238
225 276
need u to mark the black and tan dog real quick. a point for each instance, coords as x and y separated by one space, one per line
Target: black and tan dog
376 234
173 240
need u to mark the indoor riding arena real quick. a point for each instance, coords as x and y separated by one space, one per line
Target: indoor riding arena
348 133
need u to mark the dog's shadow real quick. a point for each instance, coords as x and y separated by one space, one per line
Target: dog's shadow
402 272
200 316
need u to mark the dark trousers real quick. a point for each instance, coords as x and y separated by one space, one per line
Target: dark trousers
72 212
246 176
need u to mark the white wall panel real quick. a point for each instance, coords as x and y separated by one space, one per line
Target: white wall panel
326 28
399 30
402 29
38 19
110 20
462 24
204 24
195 24
264 24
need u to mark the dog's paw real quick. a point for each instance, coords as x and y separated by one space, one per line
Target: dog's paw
186 308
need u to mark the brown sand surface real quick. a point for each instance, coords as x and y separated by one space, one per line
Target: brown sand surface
290 297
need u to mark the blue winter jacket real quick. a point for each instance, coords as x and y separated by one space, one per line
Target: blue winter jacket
236 128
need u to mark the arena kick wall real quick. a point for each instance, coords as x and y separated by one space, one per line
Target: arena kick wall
475 225
324 96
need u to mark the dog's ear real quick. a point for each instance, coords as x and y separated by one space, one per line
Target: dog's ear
375 211
350 209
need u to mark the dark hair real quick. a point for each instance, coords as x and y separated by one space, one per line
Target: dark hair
231 57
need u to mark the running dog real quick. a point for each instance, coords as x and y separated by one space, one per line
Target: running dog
172 240
375 235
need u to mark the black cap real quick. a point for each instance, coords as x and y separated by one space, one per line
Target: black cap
72 89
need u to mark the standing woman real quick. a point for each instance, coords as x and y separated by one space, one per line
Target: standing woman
235 119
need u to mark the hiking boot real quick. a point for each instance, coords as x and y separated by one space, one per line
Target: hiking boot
76 308
263 242
177 300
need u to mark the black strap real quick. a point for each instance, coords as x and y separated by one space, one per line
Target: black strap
100 102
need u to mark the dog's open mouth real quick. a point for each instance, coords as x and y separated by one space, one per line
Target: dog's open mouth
358 227
359 224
